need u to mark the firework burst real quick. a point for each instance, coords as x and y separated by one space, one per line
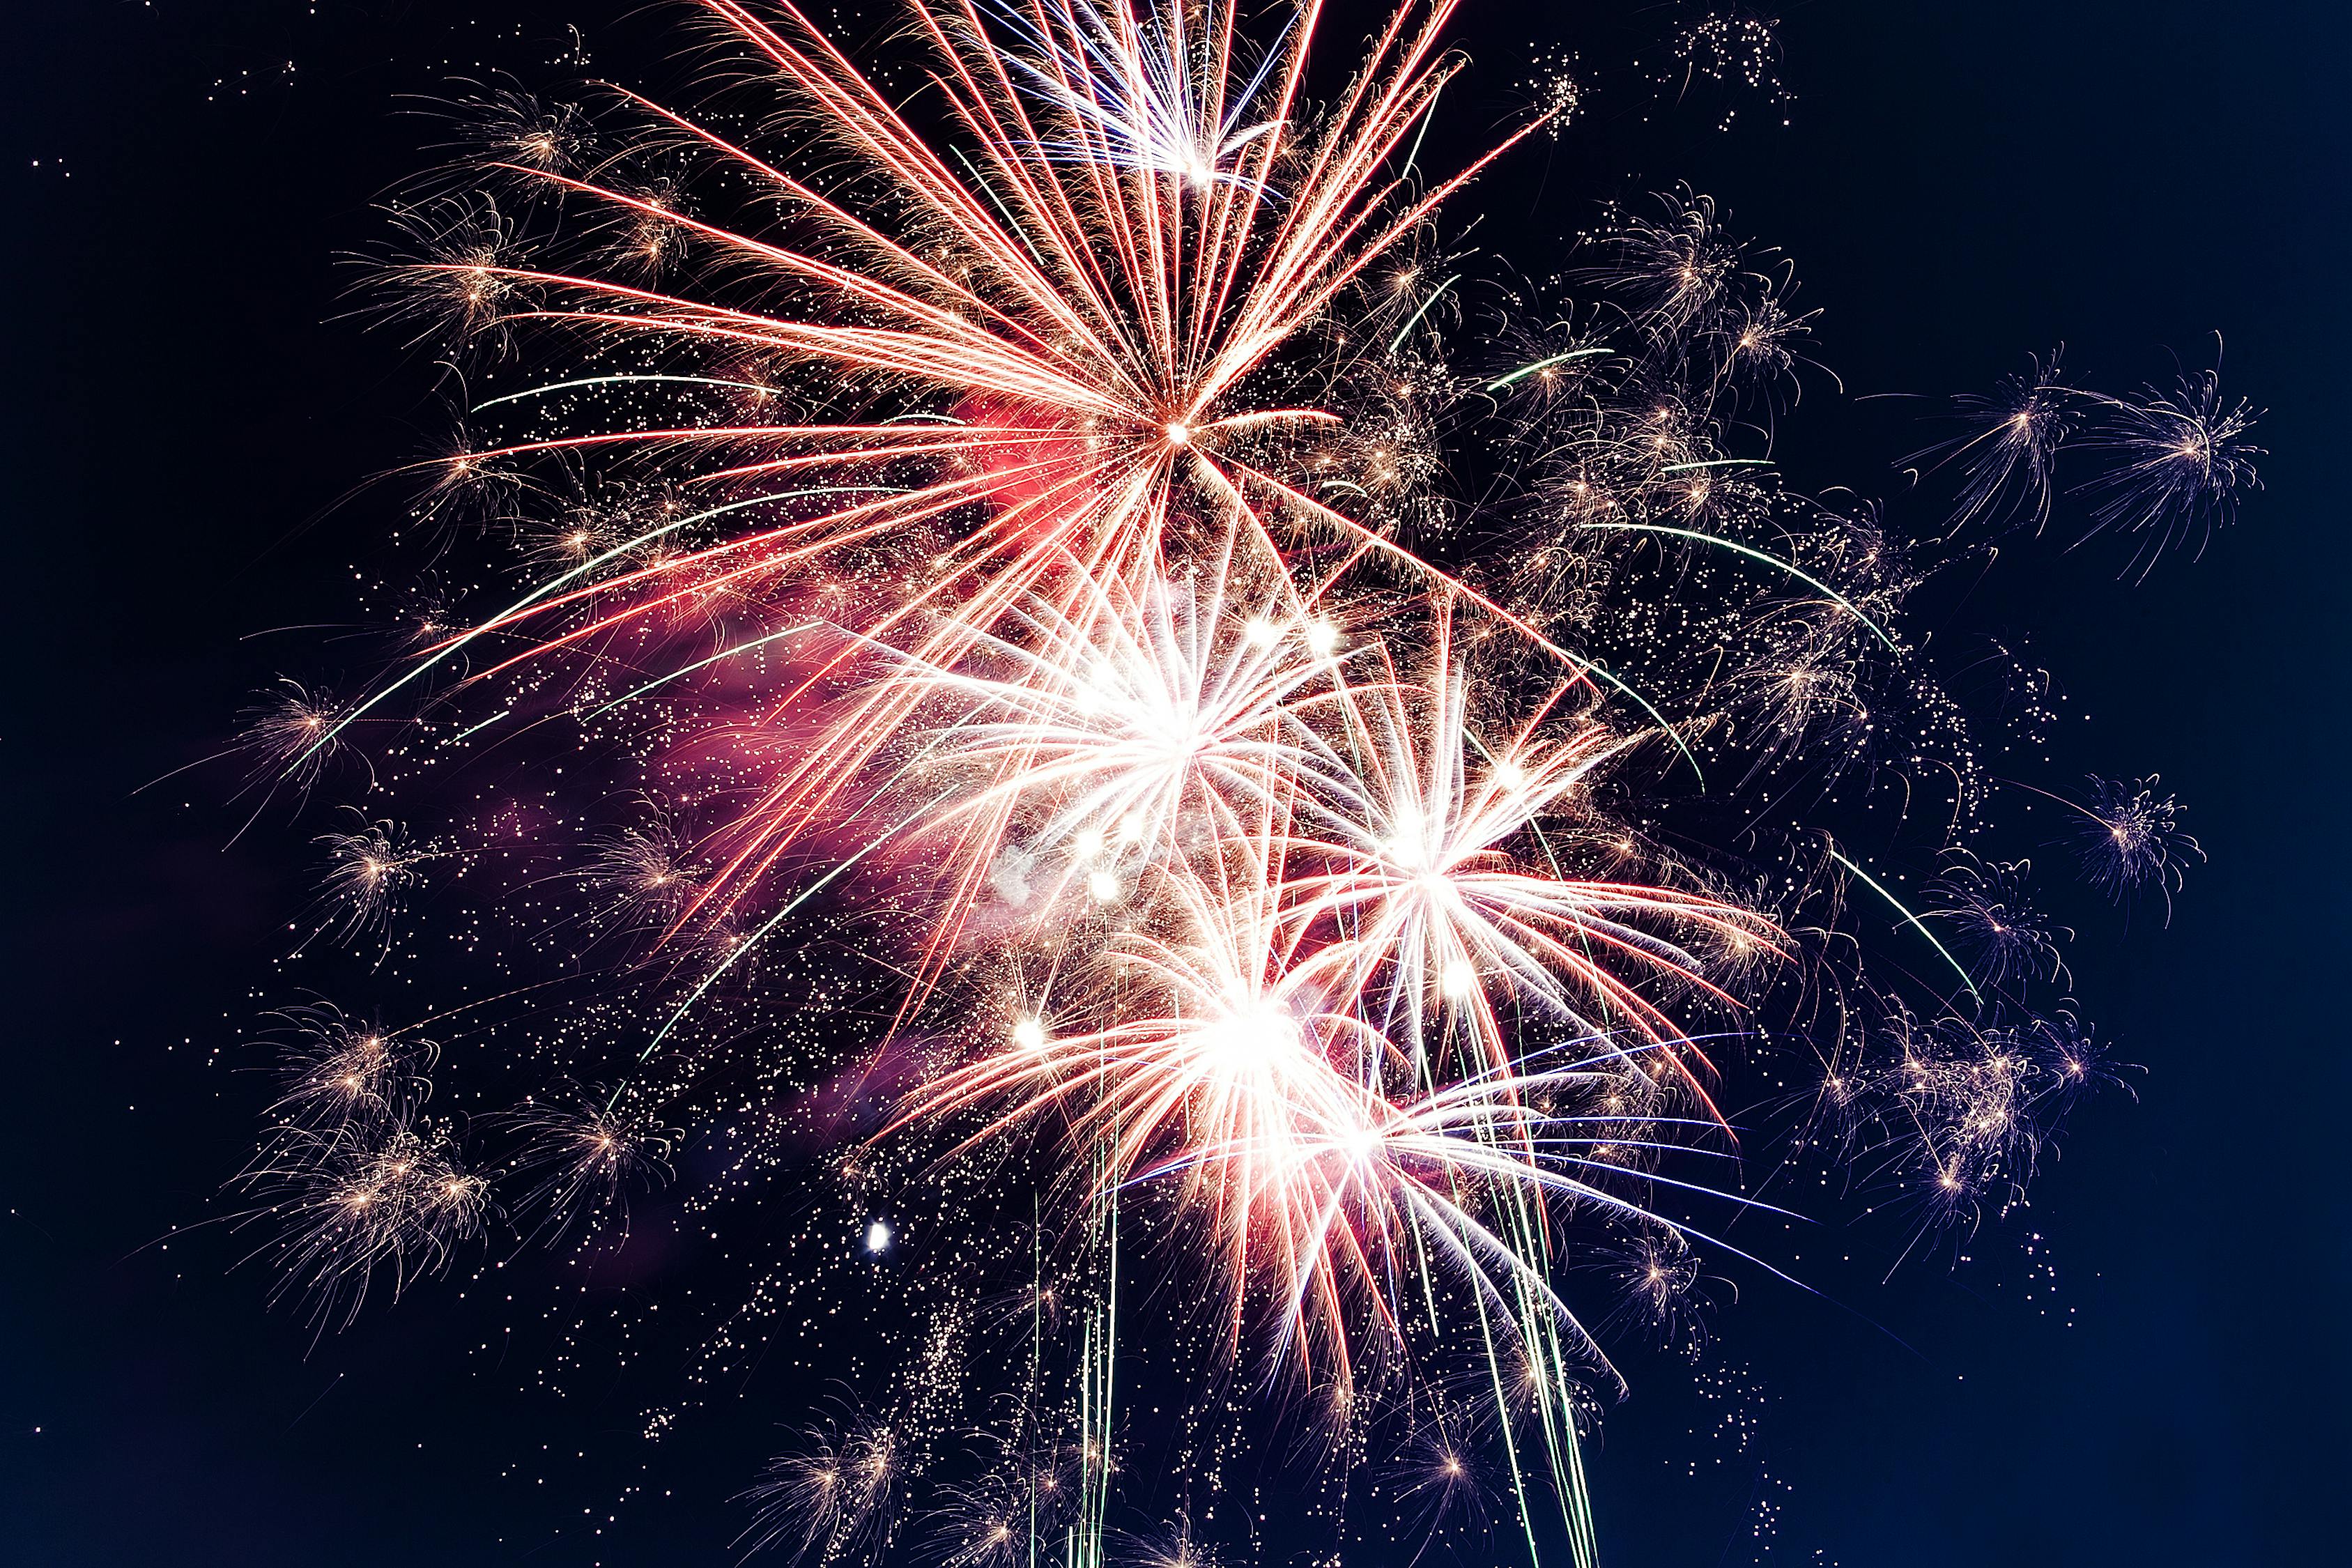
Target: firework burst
1016 561
2176 462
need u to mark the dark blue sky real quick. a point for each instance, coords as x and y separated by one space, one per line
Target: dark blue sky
1960 186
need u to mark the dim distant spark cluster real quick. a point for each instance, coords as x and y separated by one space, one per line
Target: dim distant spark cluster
2174 463
1068 689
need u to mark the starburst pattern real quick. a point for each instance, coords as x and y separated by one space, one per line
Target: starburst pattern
1051 747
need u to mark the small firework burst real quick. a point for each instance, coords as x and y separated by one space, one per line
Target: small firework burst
1988 905
574 539
1556 90
581 1160
2131 840
2176 462
374 1201
1759 343
290 735
463 283
832 1499
1733 48
2008 447
646 875
369 874
1951 1114
1443 1481
1171 1546
1656 1277
499 122
335 1070
989 1522
2181 462
1673 270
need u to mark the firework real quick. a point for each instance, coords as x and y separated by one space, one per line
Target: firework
583 1161
369 874
356 1187
2181 461
1017 560
1990 906
289 734
643 875
832 1499
2130 838
1658 1280
335 1071
2010 448
2176 462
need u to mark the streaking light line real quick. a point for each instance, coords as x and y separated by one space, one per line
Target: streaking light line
1542 365
614 380
1878 887
660 680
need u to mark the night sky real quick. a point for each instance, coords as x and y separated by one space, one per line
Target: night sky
188 402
